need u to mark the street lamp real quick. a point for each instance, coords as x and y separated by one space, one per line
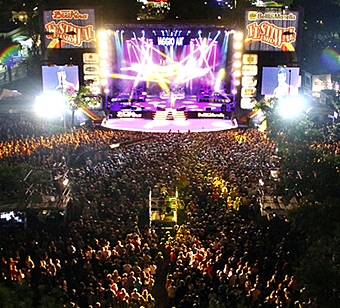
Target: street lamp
55 36
58 37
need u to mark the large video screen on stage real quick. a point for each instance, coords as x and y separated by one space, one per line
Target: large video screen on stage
174 61
60 78
280 81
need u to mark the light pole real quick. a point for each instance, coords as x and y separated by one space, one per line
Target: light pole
55 36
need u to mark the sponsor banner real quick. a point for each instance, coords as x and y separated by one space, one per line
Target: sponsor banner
248 92
271 30
210 115
69 28
90 57
128 114
250 59
91 69
249 81
91 79
249 70
248 103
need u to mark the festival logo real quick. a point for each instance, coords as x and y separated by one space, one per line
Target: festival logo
69 28
271 31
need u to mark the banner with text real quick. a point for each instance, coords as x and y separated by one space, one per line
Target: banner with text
68 28
271 30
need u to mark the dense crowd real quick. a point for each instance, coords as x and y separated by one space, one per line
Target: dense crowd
106 253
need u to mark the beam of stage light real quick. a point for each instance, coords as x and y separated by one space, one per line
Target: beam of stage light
204 48
220 77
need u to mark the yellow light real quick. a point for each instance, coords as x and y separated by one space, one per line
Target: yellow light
237 73
238 36
237 64
103 82
237 82
104 72
238 45
102 45
103 54
103 63
238 55
102 35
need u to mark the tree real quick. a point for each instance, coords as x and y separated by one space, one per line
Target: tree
310 171
81 98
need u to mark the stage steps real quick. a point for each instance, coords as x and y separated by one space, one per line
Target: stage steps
161 115
180 116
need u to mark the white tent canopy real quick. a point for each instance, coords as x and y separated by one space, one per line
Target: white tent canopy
7 93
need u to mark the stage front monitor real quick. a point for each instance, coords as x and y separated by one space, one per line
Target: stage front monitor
280 81
60 78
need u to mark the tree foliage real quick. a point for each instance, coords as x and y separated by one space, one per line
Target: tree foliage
310 170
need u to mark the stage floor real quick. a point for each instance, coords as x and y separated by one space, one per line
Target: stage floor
162 126
188 105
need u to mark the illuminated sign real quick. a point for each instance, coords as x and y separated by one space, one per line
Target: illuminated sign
128 114
249 81
250 59
210 115
247 102
69 28
248 92
321 82
249 70
171 41
271 30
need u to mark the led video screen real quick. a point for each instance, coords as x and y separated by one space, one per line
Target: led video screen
165 62
280 81
60 78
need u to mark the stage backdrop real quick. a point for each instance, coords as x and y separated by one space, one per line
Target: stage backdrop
177 60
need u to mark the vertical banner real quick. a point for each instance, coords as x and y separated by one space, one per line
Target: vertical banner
69 28
249 81
271 30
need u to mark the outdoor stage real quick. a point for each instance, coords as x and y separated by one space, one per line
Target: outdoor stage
174 77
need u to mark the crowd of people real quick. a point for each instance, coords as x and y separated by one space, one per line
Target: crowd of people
105 252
